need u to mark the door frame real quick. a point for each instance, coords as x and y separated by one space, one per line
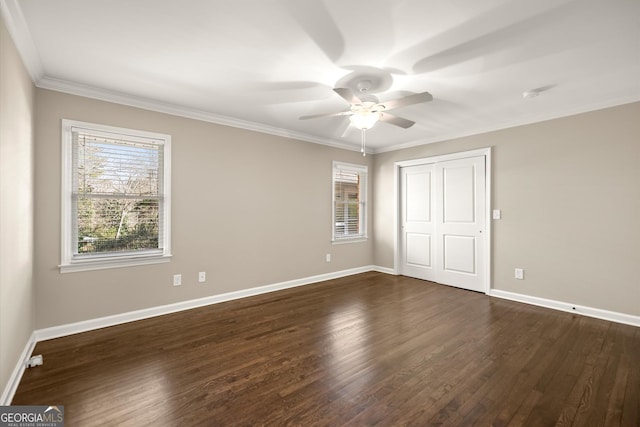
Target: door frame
486 152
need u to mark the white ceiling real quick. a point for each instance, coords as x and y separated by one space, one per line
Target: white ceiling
260 64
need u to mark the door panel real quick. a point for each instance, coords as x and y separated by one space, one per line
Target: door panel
418 208
442 211
460 185
419 250
416 222
459 254
458 194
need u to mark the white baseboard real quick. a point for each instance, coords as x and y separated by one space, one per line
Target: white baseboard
117 319
612 316
385 270
18 371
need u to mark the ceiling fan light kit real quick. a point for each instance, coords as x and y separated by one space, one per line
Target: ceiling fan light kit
365 113
365 119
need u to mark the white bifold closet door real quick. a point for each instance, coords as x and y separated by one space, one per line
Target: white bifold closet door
442 211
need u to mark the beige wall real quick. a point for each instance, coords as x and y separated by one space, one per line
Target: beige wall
16 206
250 209
569 191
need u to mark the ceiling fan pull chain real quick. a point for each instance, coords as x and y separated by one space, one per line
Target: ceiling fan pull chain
363 148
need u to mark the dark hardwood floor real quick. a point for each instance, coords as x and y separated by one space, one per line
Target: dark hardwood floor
369 349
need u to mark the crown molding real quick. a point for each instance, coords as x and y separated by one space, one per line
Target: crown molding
565 112
19 32
73 88
178 110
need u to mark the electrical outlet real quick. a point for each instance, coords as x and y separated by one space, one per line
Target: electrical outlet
328 258
519 274
35 361
177 279
497 214
202 276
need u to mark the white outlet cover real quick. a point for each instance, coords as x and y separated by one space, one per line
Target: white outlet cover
35 361
497 214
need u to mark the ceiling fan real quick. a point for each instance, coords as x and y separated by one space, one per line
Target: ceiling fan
366 111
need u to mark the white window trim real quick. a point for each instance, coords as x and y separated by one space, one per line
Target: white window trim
68 263
364 189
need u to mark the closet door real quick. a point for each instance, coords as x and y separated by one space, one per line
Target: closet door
460 222
417 222
442 210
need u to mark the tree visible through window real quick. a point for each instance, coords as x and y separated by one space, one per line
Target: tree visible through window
118 191
118 203
349 196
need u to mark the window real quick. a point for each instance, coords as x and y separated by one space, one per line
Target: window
349 202
116 204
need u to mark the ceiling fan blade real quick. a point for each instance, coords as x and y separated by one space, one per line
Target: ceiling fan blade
395 120
416 98
348 95
317 116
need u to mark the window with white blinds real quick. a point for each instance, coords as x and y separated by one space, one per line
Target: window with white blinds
116 189
349 201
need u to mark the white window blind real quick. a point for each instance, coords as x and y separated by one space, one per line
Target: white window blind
349 201
118 204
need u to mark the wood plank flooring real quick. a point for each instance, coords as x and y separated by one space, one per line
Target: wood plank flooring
369 349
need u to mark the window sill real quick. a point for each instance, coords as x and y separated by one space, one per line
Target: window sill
88 265
359 239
